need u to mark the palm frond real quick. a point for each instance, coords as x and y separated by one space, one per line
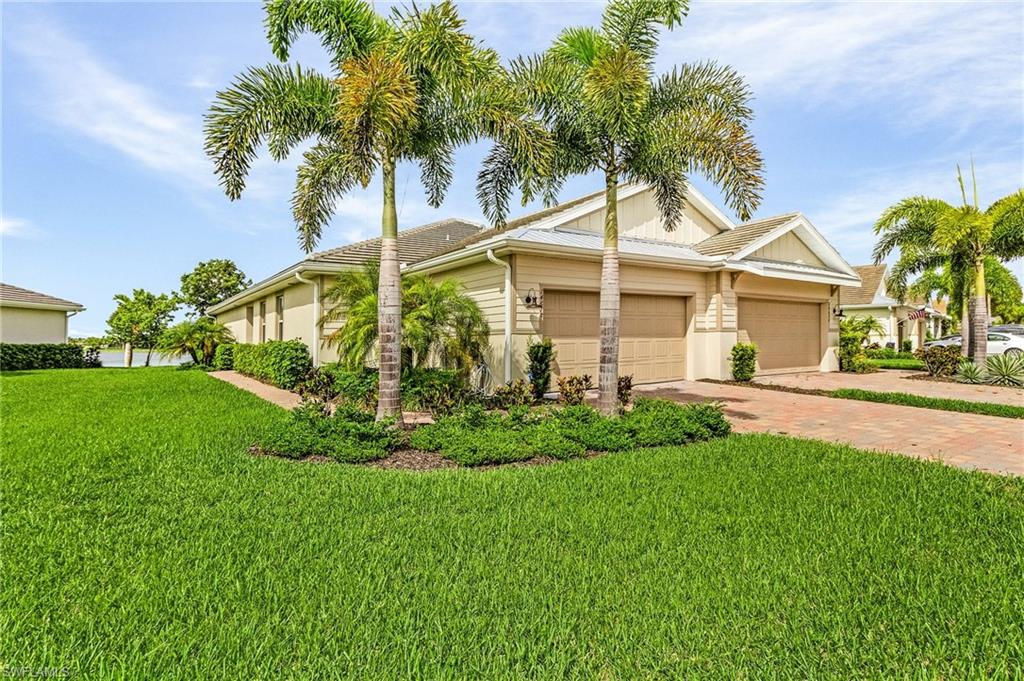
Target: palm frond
1007 216
278 104
579 46
326 173
635 23
707 87
910 263
909 223
347 28
616 89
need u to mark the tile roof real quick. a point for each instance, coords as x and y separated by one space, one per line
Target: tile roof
516 223
413 244
871 277
15 294
735 240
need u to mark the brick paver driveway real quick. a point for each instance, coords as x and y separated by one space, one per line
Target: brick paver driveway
966 440
891 381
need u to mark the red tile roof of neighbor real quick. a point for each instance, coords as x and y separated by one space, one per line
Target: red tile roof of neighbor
13 295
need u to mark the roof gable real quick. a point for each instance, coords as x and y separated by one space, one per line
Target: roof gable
732 242
872 287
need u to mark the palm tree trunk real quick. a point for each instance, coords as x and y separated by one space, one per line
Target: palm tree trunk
608 367
128 355
977 339
389 313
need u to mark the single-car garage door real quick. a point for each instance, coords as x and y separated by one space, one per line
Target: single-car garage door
652 343
788 335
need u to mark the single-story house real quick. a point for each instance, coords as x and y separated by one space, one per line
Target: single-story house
688 295
31 317
913 320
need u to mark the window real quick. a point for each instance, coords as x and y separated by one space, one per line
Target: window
263 320
248 323
279 310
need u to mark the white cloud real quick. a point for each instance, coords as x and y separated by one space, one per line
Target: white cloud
847 217
922 61
18 228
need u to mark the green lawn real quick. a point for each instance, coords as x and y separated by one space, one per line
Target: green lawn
1009 411
141 541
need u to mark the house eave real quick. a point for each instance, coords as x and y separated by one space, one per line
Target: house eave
55 307
261 288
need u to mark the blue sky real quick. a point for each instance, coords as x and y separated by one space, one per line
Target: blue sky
106 188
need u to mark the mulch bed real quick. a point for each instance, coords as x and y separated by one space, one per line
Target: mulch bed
771 386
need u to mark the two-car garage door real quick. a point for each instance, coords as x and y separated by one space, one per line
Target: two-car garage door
652 345
787 334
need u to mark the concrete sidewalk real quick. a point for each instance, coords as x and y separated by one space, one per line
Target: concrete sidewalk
280 397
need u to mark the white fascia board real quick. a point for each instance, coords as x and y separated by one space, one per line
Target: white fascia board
42 306
261 288
766 270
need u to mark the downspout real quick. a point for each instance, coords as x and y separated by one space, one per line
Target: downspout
316 315
68 315
508 311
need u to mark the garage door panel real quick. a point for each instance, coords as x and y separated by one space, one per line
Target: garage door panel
652 344
787 334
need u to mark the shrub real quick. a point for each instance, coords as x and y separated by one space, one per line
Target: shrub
21 356
969 372
576 417
539 355
318 385
887 353
606 435
224 357
517 392
355 387
280 363
91 358
860 364
425 388
906 345
744 361
547 439
475 447
1005 369
624 390
940 361
431 437
657 422
349 435
572 390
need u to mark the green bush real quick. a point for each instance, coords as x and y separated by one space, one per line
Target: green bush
223 357
476 447
91 358
887 353
424 389
22 356
743 359
280 363
911 364
860 364
906 346
318 385
969 372
1005 369
513 393
348 435
539 355
548 439
657 422
354 387
572 390
940 360
606 435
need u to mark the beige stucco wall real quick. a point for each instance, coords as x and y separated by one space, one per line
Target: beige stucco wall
29 325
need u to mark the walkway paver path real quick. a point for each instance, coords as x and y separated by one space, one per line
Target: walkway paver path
280 397
895 381
971 441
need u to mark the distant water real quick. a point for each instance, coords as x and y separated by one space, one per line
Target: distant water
115 358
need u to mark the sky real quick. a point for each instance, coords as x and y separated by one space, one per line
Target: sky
105 186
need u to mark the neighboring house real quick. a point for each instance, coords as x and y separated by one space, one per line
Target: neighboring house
910 320
31 317
687 295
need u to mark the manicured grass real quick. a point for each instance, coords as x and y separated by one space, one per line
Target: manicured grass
964 406
897 363
141 540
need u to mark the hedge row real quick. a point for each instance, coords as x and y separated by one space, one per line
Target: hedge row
281 363
21 356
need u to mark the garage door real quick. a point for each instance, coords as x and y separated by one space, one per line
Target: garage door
652 345
788 335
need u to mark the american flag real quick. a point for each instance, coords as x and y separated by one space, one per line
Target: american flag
918 314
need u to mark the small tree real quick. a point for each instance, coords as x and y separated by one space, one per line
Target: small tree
139 321
540 354
211 282
199 338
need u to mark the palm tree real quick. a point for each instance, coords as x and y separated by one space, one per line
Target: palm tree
198 338
439 322
410 87
1001 286
596 90
931 233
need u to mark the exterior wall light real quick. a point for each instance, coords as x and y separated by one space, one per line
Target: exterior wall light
533 299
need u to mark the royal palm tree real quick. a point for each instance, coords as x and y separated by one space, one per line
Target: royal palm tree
596 90
931 233
440 323
410 87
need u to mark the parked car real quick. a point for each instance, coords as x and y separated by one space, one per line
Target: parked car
953 339
998 343
1012 329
